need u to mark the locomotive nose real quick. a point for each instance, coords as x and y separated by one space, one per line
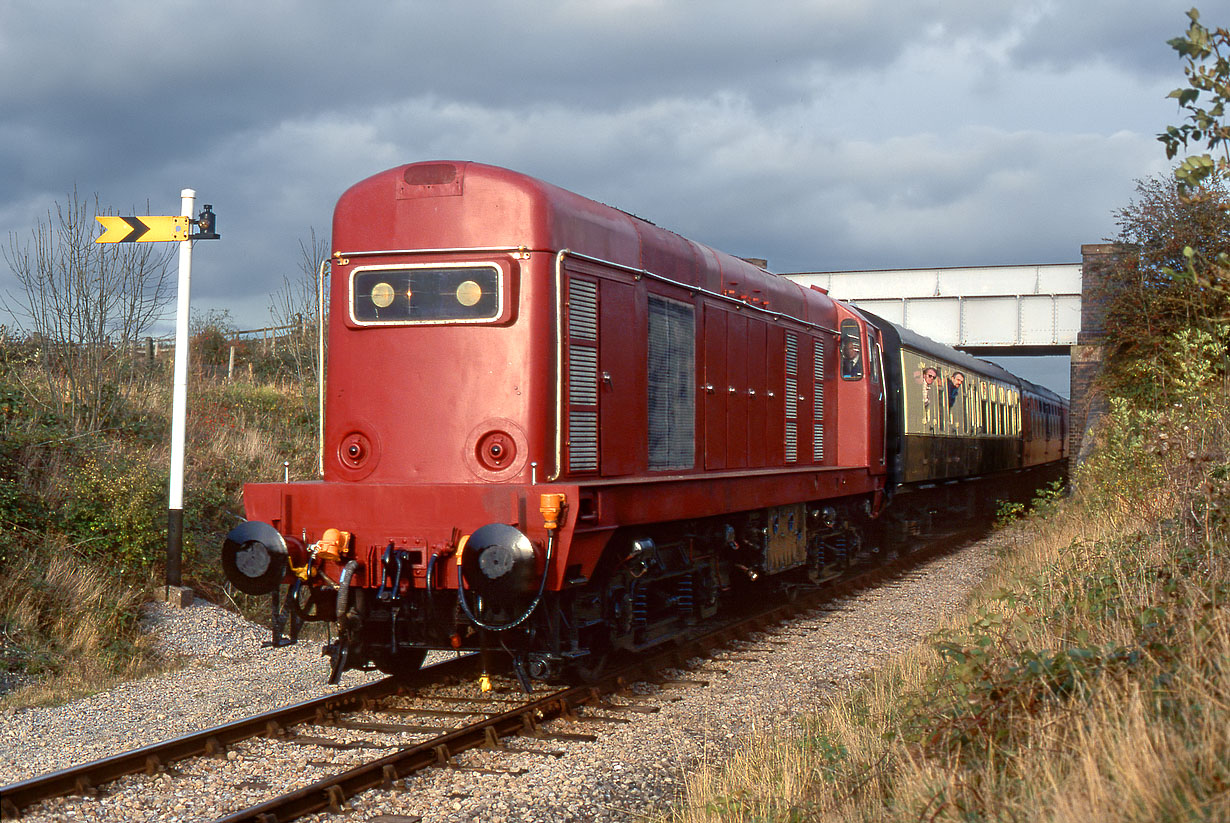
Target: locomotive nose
499 562
254 557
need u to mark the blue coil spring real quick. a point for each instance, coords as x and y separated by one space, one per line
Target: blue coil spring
684 599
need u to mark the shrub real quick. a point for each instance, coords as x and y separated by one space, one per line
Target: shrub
115 511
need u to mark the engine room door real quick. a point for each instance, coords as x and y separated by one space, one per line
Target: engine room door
736 389
757 393
622 416
713 388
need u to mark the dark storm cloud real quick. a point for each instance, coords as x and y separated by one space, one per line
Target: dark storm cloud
1130 37
817 134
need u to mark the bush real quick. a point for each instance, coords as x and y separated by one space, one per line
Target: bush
115 511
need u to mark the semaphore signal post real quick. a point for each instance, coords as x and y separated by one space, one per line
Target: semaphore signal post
171 229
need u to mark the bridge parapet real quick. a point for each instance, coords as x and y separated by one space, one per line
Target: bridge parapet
1019 310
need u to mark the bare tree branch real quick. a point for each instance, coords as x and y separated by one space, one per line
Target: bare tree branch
86 305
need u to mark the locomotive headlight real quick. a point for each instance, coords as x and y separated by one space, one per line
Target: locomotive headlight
469 293
382 295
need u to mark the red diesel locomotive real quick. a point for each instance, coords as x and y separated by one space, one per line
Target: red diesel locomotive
557 428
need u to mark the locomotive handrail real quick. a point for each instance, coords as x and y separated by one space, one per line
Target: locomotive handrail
559 365
342 255
320 370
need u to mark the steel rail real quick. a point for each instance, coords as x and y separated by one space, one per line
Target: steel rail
150 759
330 793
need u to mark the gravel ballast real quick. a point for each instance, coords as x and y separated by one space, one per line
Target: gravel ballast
632 769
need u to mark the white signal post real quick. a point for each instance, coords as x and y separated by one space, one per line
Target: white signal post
179 404
162 229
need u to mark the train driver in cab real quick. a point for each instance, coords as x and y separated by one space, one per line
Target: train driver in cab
851 351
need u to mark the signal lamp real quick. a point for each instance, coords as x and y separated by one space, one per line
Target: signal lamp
206 224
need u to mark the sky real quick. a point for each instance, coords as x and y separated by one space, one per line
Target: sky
818 134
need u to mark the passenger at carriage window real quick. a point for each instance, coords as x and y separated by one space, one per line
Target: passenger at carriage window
954 387
955 381
929 374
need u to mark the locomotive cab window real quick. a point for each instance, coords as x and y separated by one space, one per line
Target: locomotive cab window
873 355
851 351
404 295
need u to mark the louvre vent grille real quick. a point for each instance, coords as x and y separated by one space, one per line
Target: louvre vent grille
817 442
672 399
792 398
819 405
582 375
792 376
583 310
583 441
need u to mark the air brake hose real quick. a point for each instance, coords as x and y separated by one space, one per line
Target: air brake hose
343 591
431 579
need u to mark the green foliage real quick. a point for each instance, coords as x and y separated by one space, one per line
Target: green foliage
1008 512
1203 99
83 514
20 510
998 688
1122 473
1045 501
1165 280
1047 498
115 511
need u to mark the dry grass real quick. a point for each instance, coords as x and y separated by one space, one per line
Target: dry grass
254 426
1088 681
83 523
75 629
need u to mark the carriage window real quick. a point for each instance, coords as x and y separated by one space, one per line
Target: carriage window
922 391
851 351
986 418
426 294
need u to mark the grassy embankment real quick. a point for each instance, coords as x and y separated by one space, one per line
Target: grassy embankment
1088 680
83 513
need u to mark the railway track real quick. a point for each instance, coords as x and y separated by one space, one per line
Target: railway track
398 729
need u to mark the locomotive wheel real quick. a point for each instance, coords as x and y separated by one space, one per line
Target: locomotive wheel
401 665
588 669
